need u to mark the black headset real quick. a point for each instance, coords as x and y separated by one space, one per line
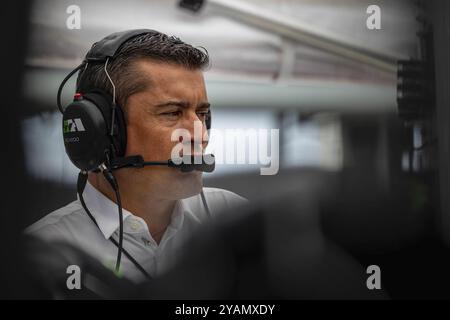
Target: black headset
95 135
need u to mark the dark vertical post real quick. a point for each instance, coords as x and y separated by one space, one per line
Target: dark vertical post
14 22
440 15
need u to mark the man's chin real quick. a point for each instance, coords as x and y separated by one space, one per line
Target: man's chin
190 184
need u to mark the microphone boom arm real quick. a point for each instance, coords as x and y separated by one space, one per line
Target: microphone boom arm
137 161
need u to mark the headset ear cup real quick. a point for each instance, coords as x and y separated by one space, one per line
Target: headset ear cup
85 134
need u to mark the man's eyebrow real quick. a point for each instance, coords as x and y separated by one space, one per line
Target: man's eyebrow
177 103
182 104
204 105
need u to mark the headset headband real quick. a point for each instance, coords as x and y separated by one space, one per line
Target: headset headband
108 46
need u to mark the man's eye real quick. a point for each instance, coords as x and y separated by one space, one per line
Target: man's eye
202 115
172 114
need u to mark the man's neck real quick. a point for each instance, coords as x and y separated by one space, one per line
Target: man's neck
156 212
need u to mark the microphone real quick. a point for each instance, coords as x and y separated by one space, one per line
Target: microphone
185 166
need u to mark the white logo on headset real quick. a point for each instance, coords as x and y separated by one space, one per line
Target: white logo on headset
73 125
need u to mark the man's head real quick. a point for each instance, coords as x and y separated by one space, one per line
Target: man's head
160 87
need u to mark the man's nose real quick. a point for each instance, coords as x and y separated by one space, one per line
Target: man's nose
196 128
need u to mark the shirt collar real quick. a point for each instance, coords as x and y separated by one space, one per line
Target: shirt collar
105 212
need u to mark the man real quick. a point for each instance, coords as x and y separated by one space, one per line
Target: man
160 87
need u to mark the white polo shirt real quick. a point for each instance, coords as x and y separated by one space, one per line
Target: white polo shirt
72 224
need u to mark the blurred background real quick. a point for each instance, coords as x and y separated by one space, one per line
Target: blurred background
353 135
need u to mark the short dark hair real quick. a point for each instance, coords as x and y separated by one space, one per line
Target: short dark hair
155 46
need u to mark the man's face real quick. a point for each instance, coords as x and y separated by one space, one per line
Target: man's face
175 99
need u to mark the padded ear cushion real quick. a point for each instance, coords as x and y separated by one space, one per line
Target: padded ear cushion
103 102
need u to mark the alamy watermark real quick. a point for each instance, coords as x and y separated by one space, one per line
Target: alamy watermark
73 21
373 22
374 280
230 146
74 279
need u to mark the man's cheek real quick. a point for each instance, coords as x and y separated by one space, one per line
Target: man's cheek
174 149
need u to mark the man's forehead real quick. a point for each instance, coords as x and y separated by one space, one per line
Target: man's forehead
170 82
173 80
